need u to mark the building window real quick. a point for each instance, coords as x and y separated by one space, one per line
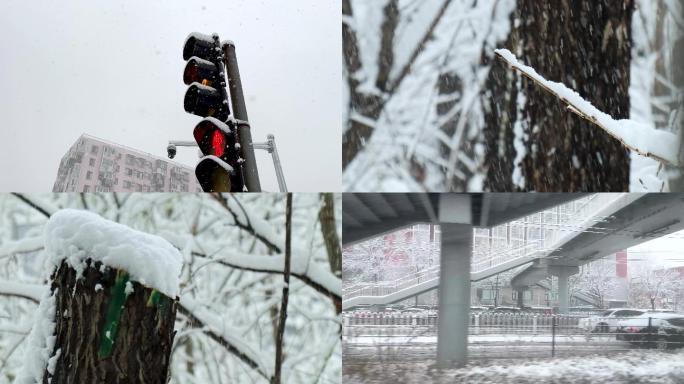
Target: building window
86 188
129 172
89 175
92 162
94 149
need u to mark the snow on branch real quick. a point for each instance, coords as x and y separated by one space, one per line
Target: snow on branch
41 206
250 223
309 272
218 329
32 292
314 274
640 138
25 245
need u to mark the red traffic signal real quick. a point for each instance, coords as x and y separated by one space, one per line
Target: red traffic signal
220 168
212 137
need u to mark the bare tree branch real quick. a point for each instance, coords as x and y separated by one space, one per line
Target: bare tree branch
286 290
32 204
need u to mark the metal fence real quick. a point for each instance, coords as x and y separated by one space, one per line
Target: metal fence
502 321
505 335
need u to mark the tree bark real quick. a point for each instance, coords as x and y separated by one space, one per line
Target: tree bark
326 216
677 64
585 44
139 325
366 105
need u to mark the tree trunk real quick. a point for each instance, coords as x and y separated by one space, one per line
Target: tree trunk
585 44
106 335
326 216
677 58
367 105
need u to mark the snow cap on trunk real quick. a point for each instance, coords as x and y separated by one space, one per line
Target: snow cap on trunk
75 235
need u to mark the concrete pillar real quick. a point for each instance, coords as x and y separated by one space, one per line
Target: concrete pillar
563 293
454 294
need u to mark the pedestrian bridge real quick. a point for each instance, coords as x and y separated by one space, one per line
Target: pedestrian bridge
584 217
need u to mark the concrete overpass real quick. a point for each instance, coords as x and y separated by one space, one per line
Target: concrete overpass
624 222
582 218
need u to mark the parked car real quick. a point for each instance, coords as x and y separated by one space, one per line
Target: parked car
653 329
608 320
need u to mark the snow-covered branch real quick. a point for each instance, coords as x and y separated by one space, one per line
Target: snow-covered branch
39 205
250 223
640 138
25 245
314 274
32 292
217 328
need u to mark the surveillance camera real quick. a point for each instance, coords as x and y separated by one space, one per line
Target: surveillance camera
171 150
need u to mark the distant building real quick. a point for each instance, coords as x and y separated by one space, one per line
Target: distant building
95 165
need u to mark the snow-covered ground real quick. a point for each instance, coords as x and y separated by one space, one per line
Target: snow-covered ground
638 366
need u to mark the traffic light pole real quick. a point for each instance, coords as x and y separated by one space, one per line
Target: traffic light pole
251 175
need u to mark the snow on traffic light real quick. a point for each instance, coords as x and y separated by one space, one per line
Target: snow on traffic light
203 72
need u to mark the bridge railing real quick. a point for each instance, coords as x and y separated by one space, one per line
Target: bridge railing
389 287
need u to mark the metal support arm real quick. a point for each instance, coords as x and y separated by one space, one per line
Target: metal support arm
270 146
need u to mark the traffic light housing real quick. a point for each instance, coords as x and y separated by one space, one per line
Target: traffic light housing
203 72
220 170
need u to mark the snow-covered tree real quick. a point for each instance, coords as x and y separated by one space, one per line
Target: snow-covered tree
229 324
596 279
652 286
391 256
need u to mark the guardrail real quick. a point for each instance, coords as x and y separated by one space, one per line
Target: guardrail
558 332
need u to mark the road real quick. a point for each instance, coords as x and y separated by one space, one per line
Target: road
363 344
376 354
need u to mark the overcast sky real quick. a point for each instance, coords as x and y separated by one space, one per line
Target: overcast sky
666 251
113 69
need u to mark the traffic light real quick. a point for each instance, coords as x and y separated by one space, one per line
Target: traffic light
220 170
206 96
